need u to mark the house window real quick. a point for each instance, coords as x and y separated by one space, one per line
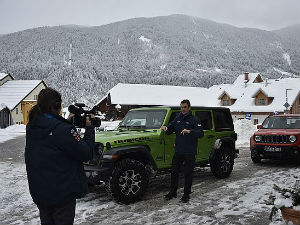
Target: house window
17 110
255 121
226 102
262 101
35 97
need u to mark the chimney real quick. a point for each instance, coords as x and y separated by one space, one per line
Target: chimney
266 84
246 77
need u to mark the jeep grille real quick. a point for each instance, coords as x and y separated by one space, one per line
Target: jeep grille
275 139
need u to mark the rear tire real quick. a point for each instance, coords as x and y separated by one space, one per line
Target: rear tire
129 181
222 164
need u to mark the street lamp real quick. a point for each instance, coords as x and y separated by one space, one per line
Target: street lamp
286 104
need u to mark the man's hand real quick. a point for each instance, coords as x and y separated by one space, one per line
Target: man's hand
71 115
164 128
88 121
185 131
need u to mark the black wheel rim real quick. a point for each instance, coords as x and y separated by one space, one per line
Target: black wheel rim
130 182
225 163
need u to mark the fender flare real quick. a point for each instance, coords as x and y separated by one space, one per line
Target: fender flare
228 141
121 152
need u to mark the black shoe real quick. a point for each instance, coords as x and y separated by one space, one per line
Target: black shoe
185 198
170 195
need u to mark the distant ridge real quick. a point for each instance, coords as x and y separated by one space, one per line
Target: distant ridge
172 50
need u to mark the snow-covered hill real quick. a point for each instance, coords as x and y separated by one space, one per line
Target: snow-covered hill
173 50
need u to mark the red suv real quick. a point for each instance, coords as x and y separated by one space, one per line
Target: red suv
277 137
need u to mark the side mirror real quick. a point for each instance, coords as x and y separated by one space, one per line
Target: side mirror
258 126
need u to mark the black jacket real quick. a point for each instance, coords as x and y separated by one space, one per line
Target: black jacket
187 143
54 154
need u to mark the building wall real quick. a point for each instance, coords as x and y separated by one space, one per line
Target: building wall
255 117
26 107
17 114
295 109
4 118
7 78
35 92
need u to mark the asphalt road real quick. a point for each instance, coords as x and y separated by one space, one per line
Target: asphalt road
210 200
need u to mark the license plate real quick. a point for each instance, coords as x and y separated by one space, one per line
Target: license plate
272 149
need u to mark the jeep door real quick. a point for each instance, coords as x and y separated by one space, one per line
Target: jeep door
169 141
206 143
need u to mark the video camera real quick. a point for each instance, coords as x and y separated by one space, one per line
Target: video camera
79 119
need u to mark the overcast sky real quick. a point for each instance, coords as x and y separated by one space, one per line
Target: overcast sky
16 15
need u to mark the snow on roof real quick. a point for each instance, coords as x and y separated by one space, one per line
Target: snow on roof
232 92
275 90
2 106
2 75
14 91
241 78
145 94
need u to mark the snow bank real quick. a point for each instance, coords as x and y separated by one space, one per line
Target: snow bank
12 132
283 202
244 129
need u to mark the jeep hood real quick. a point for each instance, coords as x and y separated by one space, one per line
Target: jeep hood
124 137
277 132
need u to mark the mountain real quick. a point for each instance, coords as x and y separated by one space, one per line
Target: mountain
174 50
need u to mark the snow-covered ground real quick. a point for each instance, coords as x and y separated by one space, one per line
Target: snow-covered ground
238 199
213 202
244 128
12 132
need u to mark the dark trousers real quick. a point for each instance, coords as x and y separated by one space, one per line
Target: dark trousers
189 164
62 215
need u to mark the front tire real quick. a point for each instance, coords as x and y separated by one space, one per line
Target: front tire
129 181
222 164
255 157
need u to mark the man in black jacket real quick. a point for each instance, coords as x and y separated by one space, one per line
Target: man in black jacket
54 154
187 129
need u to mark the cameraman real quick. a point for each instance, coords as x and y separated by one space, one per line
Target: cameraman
54 154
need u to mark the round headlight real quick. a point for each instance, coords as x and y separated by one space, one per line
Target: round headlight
257 138
293 138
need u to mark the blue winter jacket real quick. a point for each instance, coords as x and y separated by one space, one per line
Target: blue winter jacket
187 143
54 156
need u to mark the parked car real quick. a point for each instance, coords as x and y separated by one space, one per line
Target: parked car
125 159
277 137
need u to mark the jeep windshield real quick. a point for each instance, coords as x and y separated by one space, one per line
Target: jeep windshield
145 119
283 122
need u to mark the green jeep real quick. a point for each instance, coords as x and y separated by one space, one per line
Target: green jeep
126 158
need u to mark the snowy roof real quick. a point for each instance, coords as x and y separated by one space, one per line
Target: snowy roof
14 91
2 75
145 94
231 91
241 78
276 90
